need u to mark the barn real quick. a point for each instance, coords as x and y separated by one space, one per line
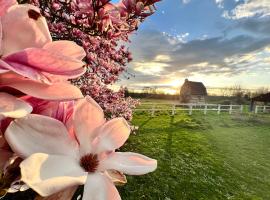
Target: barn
193 92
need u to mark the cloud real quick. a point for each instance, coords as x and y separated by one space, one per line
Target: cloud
158 60
259 26
150 67
220 3
250 8
186 1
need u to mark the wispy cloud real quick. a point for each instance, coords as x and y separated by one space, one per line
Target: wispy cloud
220 3
186 1
250 8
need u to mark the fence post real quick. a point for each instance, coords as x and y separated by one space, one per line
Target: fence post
218 111
153 111
256 109
173 110
190 110
241 108
264 109
230 111
205 109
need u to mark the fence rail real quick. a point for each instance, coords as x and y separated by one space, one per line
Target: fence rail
262 109
190 108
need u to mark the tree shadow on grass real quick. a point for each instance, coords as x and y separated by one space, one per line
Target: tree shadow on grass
168 154
145 122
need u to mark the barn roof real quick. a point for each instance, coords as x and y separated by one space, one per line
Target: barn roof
262 97
193 88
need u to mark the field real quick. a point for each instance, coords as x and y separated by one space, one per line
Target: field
202 157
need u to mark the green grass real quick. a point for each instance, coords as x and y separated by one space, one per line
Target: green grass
201 157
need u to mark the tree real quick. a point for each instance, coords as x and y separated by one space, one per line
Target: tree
102 29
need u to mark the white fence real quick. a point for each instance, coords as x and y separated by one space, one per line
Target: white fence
190 108
262 109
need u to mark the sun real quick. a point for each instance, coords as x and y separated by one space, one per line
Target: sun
175 84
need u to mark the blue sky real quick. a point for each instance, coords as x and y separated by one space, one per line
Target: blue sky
219 42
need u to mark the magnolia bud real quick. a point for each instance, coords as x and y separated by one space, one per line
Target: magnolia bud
139 8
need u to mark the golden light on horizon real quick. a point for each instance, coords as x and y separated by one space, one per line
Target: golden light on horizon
170 91
175 83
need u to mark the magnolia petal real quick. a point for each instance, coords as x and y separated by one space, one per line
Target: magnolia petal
56 91
128 163
66 48
31 29
2 70
66 194
87 117
118 178
4 67
42 60
99 187
40 134
25 71
112 135
13 107
5 4
49 174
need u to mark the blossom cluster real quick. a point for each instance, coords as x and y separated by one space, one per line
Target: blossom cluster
52 137
102 28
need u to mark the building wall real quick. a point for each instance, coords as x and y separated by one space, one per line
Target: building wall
197 99
193 99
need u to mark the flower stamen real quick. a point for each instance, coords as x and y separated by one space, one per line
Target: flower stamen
89 162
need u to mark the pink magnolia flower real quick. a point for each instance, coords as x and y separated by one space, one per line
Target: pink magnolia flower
63 162
27 48
56 91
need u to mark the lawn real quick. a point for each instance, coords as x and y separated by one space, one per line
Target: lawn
202 157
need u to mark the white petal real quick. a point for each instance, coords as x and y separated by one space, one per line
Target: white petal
40 134
21 30
112 135
13 107
128 163
87 117
48 174
99 187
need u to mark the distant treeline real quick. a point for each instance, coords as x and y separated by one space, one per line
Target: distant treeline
152 96
224 100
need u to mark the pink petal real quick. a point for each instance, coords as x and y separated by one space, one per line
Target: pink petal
13 107
99 187
25 71
42 60
59 110
87 117
23 27
4 67
56 91
129 163
5 4
66 48
40 134
112 135
49 174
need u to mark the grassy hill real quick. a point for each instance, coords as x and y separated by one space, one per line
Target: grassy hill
202 157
